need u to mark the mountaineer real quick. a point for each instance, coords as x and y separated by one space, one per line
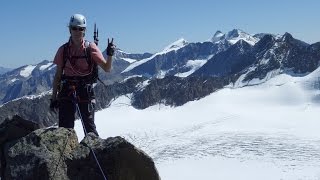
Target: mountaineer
76 72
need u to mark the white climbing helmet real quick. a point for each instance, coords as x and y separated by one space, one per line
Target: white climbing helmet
78 20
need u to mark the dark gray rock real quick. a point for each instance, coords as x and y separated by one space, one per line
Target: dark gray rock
119 159
36 109
176 91
229 62
55 153
285 54
10 131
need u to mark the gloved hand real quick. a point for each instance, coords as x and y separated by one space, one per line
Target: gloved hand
111 48
54 104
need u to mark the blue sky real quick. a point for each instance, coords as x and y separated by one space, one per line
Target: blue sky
31 31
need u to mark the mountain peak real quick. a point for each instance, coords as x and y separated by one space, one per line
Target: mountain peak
217 36
242 45
236 34
44 62
266 41
286 37
176 45
218 33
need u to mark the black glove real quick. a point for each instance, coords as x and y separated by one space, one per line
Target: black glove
111 47
54 104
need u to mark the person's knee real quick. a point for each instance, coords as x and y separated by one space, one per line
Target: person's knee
66 123
66 115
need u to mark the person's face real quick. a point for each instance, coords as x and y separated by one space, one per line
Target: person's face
77 32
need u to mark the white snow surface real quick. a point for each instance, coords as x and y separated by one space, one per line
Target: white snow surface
193 65
129 60
241 35
43 67
26 72
33 96
172 47
51 67
175 45
268 131
14 80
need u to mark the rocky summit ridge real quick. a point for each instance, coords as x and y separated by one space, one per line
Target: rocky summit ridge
54 153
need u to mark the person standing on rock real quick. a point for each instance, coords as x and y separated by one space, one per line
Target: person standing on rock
76 72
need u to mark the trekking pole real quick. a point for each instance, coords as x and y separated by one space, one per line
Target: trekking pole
96 41
84 129
95 34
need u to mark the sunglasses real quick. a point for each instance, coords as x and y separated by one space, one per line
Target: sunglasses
78 28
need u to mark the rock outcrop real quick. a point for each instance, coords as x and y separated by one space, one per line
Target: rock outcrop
54 153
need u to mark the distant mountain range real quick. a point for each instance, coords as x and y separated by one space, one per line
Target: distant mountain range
35 79
4 70
182 72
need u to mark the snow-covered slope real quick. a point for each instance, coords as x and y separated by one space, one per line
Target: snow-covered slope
234 36
267 131
172 47
182 58
26 80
